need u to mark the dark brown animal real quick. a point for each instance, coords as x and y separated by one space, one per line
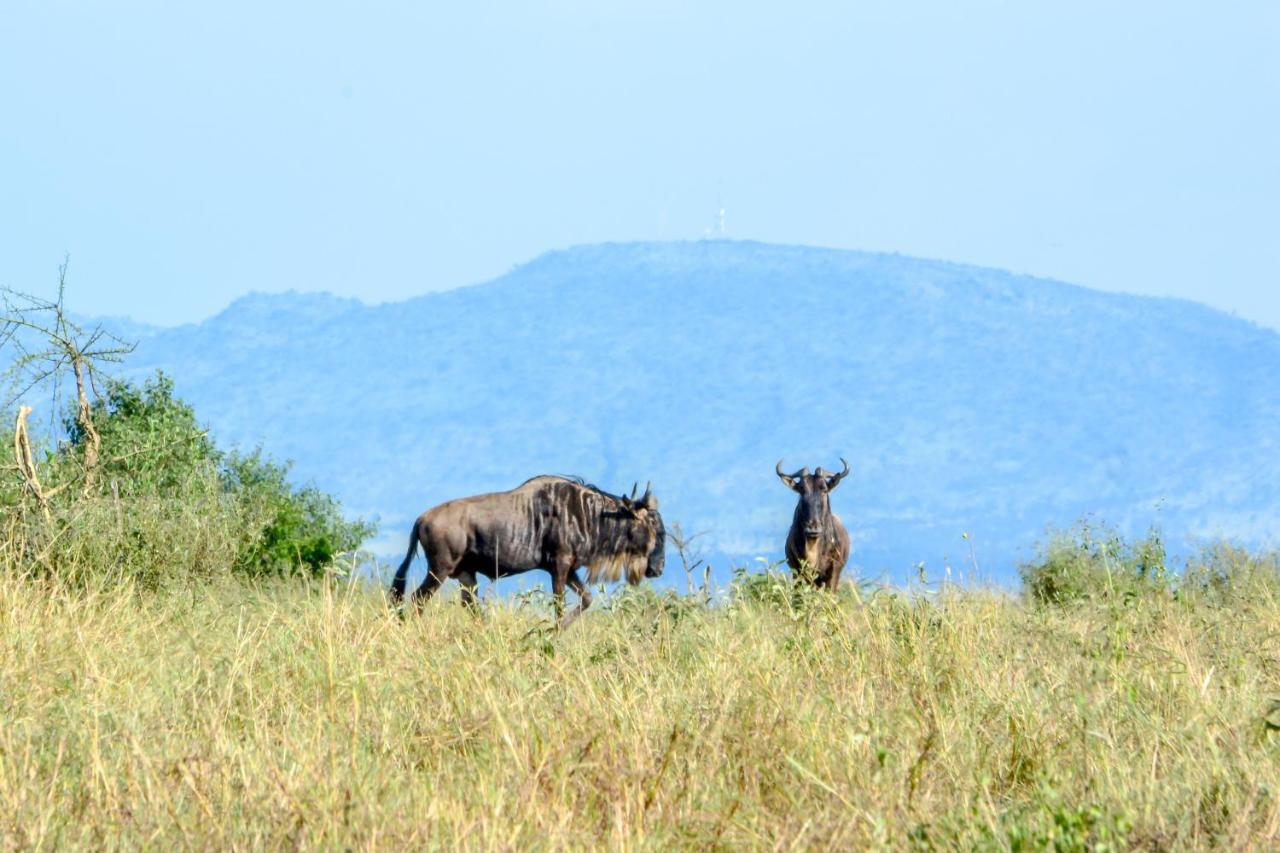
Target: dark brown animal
817 544
557 524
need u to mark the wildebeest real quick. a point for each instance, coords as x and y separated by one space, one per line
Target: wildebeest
557 524
817 544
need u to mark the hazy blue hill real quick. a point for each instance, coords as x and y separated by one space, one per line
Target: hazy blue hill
966 399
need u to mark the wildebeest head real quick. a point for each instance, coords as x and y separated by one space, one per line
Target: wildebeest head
813 510
646 536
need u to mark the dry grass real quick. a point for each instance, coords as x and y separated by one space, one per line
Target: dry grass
218 714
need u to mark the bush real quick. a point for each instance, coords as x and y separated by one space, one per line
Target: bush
301 528
167 503
1225 574
152 443
1096 563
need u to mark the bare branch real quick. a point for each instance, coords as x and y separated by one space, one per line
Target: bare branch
68 348
689 559
26 460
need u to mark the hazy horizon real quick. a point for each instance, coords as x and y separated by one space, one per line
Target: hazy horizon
74 294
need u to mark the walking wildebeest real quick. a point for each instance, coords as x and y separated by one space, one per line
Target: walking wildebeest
817 544
557 524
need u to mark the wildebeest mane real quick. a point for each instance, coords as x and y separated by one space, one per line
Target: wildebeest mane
576 480
607 529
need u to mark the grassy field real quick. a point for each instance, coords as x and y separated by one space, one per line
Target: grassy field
281 714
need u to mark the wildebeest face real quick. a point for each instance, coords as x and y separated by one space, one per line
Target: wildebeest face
657 545
813 510
647 537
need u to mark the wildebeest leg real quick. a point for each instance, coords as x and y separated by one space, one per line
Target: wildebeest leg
559 577
468 581
584 599
429 585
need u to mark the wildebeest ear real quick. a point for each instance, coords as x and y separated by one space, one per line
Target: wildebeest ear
627 506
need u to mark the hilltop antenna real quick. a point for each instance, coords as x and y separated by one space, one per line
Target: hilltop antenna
716 231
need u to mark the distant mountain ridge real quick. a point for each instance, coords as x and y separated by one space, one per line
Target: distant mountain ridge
967 400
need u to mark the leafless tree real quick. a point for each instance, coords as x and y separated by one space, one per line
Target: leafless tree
690 559
48 346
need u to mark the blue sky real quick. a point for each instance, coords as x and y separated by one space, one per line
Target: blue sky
184 154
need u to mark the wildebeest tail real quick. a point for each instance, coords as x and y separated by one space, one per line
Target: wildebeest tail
402 573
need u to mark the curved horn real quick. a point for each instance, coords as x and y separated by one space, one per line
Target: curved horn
789 480
649 500
634 486
836 478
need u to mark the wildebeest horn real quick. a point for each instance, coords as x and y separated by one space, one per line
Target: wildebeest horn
634 486
649 501
836 478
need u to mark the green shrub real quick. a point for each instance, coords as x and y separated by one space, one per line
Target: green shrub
152 443
1096 563
1226 574
301 527
166 503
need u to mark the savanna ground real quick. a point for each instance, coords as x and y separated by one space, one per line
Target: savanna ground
289 713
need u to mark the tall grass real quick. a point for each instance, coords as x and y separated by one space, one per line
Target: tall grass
231 712
149 541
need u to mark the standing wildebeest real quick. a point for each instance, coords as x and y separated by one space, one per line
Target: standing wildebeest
817 543
551 523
